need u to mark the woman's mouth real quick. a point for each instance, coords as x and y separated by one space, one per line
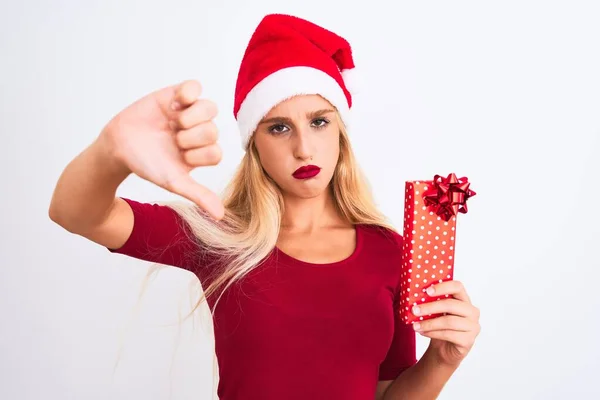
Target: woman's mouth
306 172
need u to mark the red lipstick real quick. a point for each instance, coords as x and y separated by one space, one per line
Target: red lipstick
306 172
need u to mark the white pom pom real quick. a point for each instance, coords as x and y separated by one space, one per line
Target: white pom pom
351 80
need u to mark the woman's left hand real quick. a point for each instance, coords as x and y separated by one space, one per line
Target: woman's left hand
452 335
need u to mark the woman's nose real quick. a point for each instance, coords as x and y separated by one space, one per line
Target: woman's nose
302 146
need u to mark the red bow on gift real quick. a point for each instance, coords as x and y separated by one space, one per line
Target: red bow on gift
448 196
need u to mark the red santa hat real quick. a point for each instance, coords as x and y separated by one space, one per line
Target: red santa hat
288 56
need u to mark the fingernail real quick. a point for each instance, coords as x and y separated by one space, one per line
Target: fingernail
175 106
417 326
416 310
430 290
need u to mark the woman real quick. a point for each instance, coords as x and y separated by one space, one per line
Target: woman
305 267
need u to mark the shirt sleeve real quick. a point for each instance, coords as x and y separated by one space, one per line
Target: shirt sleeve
402 353
159 235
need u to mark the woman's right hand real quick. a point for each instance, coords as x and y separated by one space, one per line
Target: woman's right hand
163 136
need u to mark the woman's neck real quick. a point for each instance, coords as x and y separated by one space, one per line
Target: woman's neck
308 215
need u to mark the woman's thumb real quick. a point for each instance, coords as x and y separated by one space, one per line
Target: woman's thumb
185 186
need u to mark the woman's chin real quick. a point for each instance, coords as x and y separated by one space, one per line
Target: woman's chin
305 188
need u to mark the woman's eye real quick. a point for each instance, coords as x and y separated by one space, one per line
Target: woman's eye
320 122
279 128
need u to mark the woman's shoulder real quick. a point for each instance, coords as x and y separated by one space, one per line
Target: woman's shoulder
381 235
159 235
382 246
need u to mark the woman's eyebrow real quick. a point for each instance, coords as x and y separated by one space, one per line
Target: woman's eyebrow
284 120
309 115
318 113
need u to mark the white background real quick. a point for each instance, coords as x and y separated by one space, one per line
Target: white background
506 93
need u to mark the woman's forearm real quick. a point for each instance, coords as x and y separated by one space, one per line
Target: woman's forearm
85 191
423 381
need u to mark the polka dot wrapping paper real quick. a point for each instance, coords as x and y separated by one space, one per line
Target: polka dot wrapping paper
429 237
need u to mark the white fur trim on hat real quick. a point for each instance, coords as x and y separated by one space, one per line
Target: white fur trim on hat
352 80
282 85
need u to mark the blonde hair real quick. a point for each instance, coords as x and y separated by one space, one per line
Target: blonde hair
254 207
253 211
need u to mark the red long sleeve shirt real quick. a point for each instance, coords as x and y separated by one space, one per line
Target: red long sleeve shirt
291 329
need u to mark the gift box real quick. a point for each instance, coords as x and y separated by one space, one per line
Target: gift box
429 237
